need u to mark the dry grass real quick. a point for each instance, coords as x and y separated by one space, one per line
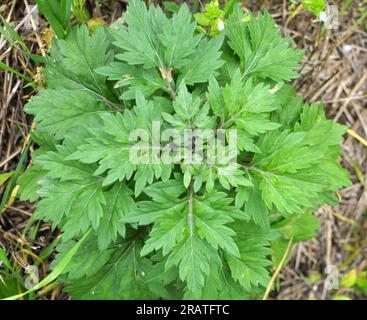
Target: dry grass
334 71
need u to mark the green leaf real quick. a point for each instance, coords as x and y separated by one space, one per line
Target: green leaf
349 279
178 39
260 47
28 182
279 247
302 227
56 165
192 256
116 273
118 203
140 42
245 100
153 40
202 19
215 99
4 177
73 61
184 228
189 114
251 268
245 106
57 14
315 6
81 201
292 162
220 285
58 111
115 147
133 79
204 62
8 287
77 195
256 208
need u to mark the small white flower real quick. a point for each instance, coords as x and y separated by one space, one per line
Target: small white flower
347 48
220 25
323 16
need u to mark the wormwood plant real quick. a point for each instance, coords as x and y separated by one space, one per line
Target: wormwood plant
179 229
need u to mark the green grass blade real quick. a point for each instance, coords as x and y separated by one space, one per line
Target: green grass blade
56 271
4 177
45 8
228 8
4 259
12 36
65 11
12 182
10 69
